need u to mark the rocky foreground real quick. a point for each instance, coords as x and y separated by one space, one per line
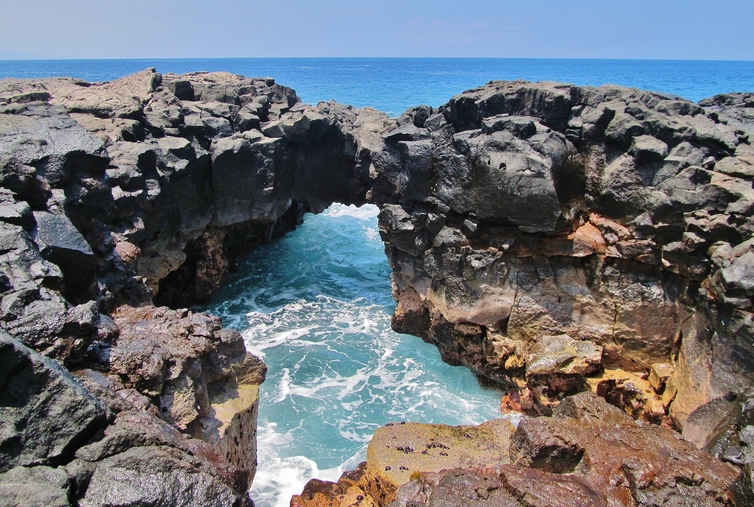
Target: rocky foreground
554 239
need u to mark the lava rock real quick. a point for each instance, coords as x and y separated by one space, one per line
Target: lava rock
45 413
38 486
154 476
62 244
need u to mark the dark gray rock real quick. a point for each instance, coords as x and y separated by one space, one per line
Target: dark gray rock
517 211
38 486
584 195
47 138
403 229
406 132
243 176
735 108
45 414
182 89
62 244
15 212
159 476
32 307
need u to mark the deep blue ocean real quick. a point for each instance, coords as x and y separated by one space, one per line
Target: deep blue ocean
394 84
316 304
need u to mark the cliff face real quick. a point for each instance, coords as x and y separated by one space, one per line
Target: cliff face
552 238
541 233
118 196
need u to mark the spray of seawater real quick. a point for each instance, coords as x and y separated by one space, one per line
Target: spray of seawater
316 306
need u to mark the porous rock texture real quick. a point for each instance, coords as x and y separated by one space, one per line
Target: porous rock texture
552 238
588 453
544 233
104 188
118 196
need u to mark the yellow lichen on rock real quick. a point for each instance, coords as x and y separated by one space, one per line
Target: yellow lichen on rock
399 450
631 392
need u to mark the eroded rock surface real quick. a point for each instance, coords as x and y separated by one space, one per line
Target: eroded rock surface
588 453
552 238
142 190
398 451
520 216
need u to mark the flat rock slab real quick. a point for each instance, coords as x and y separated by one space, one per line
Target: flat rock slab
399 450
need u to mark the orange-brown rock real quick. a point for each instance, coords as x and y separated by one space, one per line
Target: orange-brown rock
588 453
400 450
632 393
347 492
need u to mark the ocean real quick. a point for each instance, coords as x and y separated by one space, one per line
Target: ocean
394 84
316 304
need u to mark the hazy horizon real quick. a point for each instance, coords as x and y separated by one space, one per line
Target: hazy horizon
157 59
542 29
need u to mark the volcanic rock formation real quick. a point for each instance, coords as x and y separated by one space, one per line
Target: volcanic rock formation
541 233
588 453
552 238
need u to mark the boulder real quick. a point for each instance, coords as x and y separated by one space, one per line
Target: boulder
46 414
155 476
38 486
62 244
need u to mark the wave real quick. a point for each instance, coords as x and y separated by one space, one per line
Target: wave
316 305
365 212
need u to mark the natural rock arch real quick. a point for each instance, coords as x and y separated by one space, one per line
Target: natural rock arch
538 233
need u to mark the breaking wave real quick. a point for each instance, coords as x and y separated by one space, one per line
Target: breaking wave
316 305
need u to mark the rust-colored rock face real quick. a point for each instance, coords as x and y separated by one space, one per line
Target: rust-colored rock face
617 218
622 459
588 453
552 238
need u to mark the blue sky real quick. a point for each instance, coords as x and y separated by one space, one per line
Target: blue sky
658 29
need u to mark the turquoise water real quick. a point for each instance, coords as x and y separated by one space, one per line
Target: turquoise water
394 84
316 305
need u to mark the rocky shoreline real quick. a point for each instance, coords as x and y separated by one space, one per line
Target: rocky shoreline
554 239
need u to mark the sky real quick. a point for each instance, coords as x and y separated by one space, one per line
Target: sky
640 29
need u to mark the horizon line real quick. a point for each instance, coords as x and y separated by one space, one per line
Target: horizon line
162 58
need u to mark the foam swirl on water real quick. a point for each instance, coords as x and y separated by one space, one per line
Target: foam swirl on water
316 305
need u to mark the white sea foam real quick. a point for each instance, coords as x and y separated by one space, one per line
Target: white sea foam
365 212
278 479
318 309
333 474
